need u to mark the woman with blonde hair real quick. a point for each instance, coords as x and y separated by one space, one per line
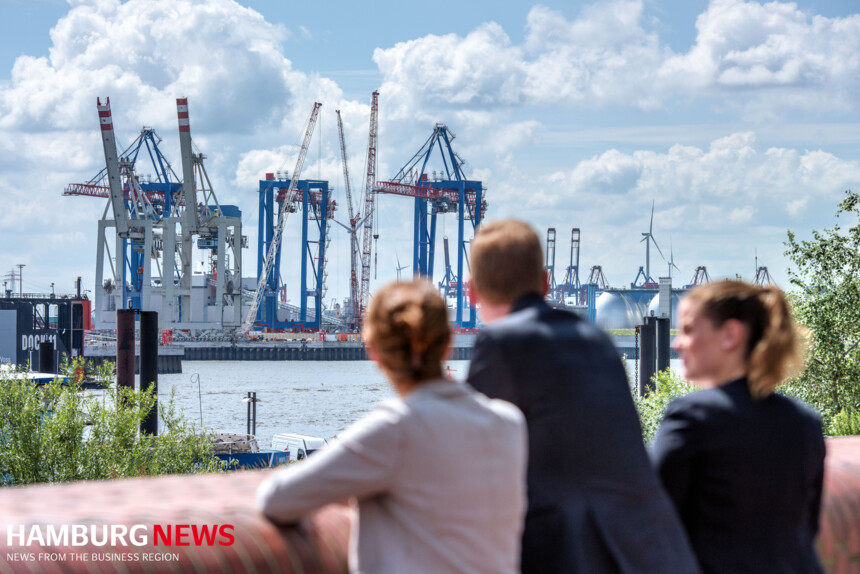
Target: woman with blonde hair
438 472
743 465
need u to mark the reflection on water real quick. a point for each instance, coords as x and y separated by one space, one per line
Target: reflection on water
317 398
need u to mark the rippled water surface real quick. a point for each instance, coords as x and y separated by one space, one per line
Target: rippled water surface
317 398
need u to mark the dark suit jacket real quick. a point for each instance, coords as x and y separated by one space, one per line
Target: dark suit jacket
746 478
595 503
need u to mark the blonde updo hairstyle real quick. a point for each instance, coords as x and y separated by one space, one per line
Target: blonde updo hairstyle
774 346
407 326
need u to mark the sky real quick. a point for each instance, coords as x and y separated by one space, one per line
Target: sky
737 120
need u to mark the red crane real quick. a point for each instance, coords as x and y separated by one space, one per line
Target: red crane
369 205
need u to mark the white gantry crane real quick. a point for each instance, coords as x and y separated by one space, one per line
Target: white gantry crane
155 225
284 210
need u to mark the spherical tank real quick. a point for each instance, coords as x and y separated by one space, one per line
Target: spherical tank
654 307
617 310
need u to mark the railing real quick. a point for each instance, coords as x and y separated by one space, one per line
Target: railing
244 541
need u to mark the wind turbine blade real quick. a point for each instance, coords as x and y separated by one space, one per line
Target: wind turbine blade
342 225
651 225
658 248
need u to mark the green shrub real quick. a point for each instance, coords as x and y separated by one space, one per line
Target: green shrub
845 423
59 432
652 407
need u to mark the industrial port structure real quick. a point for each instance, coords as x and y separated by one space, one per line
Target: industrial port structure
151 227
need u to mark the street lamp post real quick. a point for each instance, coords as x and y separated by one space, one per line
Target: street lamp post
21 279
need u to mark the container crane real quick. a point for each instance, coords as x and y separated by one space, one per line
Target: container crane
369 205
549 262
596 277
450 192
151 255
571 286
284 207
354 252
312 201
700 277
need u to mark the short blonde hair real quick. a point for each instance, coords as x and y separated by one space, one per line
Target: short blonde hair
507 261
774 348
407 325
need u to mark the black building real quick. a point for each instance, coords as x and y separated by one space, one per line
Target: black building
26 322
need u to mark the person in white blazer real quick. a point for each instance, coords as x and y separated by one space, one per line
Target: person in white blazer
438 472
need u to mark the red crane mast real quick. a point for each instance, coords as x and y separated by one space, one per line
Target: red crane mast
369 204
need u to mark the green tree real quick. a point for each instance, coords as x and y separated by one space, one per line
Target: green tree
826 276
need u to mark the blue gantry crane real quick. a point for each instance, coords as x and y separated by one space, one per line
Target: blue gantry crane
448 191
312 199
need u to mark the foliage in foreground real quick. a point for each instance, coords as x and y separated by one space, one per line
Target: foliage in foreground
845 423
668 385
827 302
59 433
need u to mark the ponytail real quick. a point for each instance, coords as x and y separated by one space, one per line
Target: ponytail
774 343
777 355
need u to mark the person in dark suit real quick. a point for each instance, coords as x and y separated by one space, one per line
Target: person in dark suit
744 466
595 505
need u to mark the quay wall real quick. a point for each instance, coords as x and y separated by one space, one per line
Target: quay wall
318 544
314 352
170 357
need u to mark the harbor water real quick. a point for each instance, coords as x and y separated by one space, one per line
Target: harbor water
317 398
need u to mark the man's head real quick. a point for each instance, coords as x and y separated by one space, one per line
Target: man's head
507 263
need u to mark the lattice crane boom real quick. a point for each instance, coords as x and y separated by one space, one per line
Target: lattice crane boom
369 204
354 253
282 218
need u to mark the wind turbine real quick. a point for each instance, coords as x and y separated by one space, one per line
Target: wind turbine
671 259
648 238
399 267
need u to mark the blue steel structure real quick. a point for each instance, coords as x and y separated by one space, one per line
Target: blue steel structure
163 192
449 192
549 264
312 200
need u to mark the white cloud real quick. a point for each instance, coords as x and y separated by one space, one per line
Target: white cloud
249 107
606 56
716 204
227 59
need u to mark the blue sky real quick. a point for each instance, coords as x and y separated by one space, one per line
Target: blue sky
739 119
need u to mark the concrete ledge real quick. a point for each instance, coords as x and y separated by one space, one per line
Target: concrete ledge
317 545
839 539
253 544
